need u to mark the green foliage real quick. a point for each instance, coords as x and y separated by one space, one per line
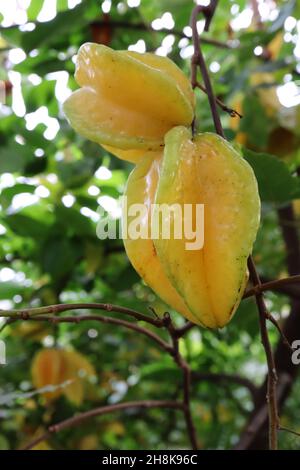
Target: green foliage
50 186
275 182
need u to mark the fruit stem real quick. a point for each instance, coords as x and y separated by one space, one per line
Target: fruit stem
198 60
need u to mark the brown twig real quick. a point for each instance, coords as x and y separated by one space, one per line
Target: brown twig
112 321
280 331
186 372
230 111
259 288
198 61
291 431
78 419
184 329
275 284
60 308
291 290
272 376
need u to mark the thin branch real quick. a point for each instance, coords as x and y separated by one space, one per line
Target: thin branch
42 314
291 290
184 329
272 285
59 308
198 60
256 14
272 376
269 286
80 418
209 13
280 331
259 417
112 321
230 111
291 431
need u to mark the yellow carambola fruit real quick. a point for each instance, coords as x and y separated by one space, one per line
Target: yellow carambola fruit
128 101
67 371
208 170
140 189
79 371
203 285
266 92
47 369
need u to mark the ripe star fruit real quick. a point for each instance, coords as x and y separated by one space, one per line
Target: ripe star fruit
127 100
48 369
54 367
204 285
140 189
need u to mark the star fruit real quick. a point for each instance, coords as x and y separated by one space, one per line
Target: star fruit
207 284
127 100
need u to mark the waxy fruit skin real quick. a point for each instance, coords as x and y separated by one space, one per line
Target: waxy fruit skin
128 101
208 170
140 189
205 285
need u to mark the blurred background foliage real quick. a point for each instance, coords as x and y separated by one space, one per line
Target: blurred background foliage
52 182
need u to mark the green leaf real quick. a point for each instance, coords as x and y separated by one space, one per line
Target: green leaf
32 221
248 42
58 257
62 5
12 35
275 183
88 201
255 122
47 33
14 158
40 95
159 370
77 173
74 222
34 9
